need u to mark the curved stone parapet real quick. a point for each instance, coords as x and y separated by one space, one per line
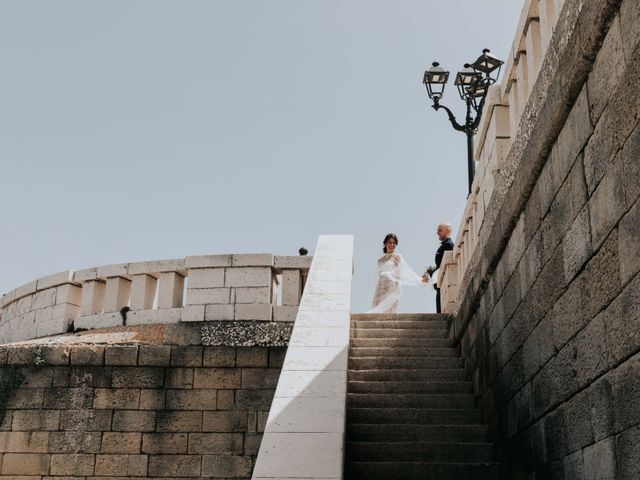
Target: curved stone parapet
258 287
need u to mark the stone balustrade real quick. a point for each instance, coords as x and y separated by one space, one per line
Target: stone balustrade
505 104
263 287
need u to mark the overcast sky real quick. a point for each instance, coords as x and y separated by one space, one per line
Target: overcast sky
139 130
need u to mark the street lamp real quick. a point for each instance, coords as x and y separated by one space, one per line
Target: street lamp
473 83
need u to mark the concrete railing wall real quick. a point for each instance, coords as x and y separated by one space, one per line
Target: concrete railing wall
505 105
260 287
547 310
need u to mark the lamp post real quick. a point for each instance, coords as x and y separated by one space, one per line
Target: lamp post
473 83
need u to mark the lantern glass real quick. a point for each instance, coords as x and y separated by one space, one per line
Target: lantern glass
466 78
488 64
435 80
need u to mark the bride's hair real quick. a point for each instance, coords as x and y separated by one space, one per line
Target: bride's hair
387 238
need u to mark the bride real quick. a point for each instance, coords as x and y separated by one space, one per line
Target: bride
393 271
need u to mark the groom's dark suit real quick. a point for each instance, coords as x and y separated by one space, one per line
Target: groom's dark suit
447 244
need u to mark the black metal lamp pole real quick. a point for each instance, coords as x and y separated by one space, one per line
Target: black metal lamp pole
473 83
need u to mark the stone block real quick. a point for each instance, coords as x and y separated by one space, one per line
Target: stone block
219 357
115 270
35 420
577 245
125 465
204 261
226 466
117 294
626 394
87 355
61 398
179 378
252 260
51 327
574 466
254 399
164 443
622 318
138 377
307 414
276 356
118 442
121 398
629 243
44 315
44 298
252 295
25 464
302 262
156 266
219 312
24 442
217 421
252 443
259 378
628 458
86 420
121 355
556 434
85 275
89 377
592 356
134 421
203 296
215 443
186 356
631 167
92 301
24 290
608 70
143 292
74 442
291 287
600 460
154 355
252 356
578 421
226 400
193 313
248 277
79 464
51 281
24 305
175 466
217 378
152 399
179 421
607 204
253 311
191 400
171 290
206 278
284 313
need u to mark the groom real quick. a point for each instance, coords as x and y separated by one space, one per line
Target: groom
444 235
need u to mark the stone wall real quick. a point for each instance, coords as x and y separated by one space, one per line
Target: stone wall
548 317
98 410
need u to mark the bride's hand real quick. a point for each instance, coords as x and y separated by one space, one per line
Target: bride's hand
425 279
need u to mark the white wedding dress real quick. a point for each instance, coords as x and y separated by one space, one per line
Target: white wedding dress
393 272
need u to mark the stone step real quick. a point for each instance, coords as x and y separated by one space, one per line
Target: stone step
420 452
421 471
362 432
414 416
417 400
401 317
410 375
416 324
399 342
399 333
403 352
372 363
390 386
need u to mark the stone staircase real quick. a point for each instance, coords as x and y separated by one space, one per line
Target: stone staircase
410 409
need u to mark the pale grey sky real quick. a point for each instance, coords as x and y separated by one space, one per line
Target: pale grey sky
135 130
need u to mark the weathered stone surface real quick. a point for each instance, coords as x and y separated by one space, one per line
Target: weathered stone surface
174 466
631 167
600 460
219 357
628 454
622 322
121 355
577 245
629 243
607 204
154 355
608 70
626 394
164 443
226 465
215 443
